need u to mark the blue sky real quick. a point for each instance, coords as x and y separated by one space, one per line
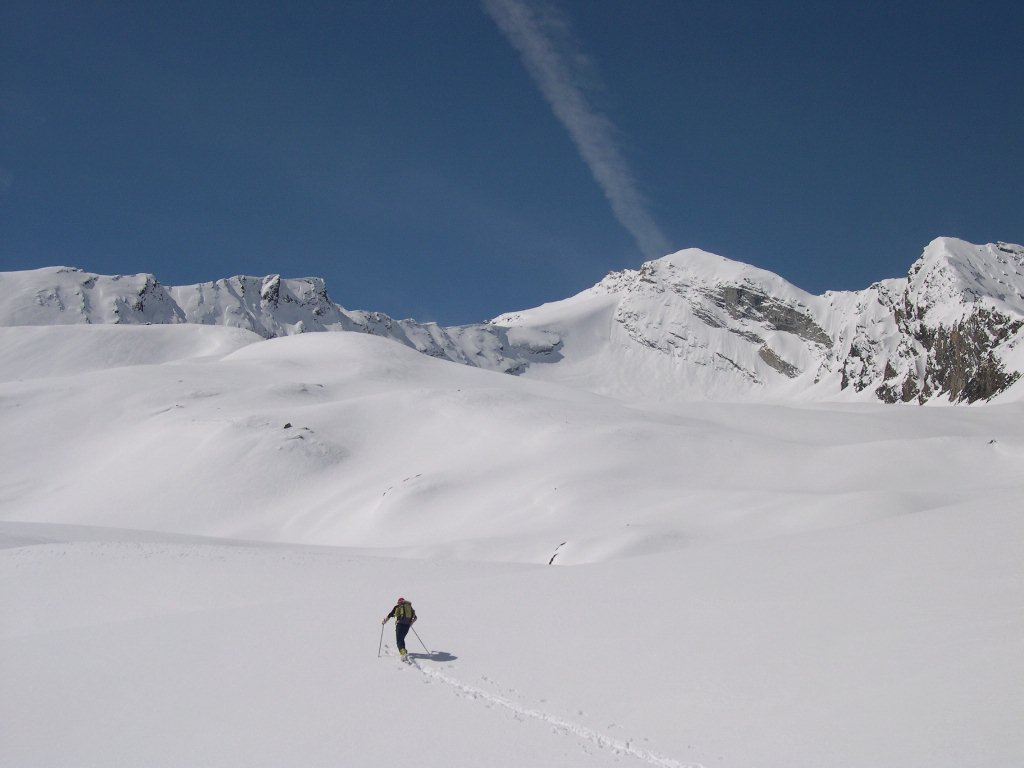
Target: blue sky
451 161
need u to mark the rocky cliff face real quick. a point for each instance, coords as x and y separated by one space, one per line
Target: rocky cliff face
689 325
947 328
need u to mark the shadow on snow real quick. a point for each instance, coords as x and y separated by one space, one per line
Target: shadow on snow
433 656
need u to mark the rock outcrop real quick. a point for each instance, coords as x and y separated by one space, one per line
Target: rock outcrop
960 310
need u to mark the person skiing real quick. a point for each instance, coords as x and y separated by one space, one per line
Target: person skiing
404 616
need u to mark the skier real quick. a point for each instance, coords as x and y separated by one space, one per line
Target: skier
404 616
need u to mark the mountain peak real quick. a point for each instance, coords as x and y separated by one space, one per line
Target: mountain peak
697 261
689 325
952 276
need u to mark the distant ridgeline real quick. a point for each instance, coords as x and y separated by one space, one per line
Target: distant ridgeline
691 325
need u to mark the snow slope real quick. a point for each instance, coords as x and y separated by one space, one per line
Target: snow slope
390 448
892 642
752 584
36 352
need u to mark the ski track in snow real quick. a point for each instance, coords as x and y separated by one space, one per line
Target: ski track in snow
565 727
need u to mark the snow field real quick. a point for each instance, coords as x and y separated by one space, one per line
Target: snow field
388 448
752 585
128 653
894 642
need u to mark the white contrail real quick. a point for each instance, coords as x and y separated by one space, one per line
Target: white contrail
555 63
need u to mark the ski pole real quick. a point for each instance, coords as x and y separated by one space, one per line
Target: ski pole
429 652
381 644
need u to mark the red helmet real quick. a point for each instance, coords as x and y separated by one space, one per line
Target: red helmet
401 599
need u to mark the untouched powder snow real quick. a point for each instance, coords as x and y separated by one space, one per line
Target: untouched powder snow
895 642
35 352
349 439
730 585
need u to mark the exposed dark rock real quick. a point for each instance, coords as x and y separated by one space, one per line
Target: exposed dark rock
769 356
271 290
961 363
744 303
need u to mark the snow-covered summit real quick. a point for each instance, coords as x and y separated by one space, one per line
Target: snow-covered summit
67 295
269 306
951 330
694 324
952 277
697 265
690 325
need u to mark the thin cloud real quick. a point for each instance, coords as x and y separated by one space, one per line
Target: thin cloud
554 61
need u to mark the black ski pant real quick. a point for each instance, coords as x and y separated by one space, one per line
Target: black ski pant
401 630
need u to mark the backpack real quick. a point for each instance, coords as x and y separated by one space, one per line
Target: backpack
403 611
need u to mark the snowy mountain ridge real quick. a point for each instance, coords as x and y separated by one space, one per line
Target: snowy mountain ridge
765 584
691 325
